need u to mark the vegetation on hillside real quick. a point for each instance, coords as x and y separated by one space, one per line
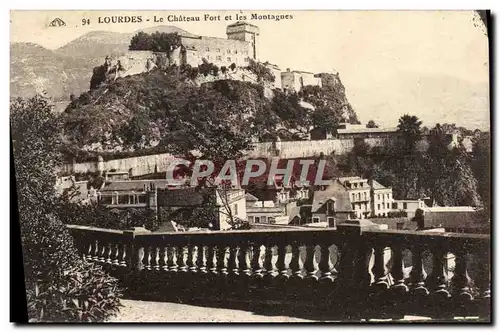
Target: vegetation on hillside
163 110
449 176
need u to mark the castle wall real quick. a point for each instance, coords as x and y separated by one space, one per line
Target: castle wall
287 149
219 51
295 80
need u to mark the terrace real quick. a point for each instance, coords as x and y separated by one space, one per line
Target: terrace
352 273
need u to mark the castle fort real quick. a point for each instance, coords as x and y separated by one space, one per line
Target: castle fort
239 48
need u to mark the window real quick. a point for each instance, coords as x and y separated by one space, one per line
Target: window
331 222
247 59
365 195
315 219
359 196
378 197
405 206
250 218
218 57
387 196
263 219
257 220
354 206
106 200
235 51
141 199
235 209
309 220
330 207
394 205
218 50
353 197
208 57
388 205
207 49
228 51
378 206
228 58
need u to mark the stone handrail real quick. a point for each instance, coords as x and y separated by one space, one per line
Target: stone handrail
356 257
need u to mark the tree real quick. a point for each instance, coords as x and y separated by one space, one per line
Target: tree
371 124
156 42
60 286
409 127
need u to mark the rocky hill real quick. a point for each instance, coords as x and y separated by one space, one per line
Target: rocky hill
166 110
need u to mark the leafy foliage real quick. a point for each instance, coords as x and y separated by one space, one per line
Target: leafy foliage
262 72
371 124
156 42
60 285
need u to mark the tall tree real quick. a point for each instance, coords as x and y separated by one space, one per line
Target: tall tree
409 127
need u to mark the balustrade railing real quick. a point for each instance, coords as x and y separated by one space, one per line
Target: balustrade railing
352 257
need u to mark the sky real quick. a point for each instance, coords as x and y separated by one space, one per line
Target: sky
433 64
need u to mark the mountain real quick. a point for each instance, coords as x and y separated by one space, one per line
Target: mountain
99 44
433 98
35 69
68 69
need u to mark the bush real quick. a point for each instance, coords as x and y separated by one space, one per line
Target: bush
60 286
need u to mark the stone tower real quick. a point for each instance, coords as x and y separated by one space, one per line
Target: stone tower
245 32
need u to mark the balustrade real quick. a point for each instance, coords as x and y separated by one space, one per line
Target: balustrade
347 257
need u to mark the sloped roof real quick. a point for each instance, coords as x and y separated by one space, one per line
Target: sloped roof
133 185
366 130
184 197
376 185
251 198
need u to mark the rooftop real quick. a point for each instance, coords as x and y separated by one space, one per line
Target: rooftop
366 130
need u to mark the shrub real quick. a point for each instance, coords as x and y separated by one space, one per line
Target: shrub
60 286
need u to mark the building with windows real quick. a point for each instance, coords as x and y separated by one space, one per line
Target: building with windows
262 212
381 203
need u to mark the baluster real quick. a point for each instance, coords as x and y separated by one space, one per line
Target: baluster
231 264
116 252
109 252
87 253
397 270
379 269
418 274
243 267
181 266
483 275
268 262
103 249
171 263
280 263
256 266
294 263
190 266
141 254
200 259
150 258
324 264
437 280
95 251
161 265
122 255
309 263
221 256
211 267
460 280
